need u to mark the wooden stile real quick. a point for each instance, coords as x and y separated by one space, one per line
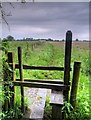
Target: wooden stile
76 73
60 89
21 76
67 61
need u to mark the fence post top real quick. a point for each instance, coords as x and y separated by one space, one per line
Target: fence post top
69 32
78 63
19 47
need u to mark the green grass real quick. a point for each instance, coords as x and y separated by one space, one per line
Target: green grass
52 54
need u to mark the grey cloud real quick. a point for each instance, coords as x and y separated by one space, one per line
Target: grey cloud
62 0
52 16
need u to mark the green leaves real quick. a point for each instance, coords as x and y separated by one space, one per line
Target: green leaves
67 108
11 114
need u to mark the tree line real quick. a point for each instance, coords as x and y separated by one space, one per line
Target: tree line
11 38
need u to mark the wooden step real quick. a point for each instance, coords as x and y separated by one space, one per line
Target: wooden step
56 98
56 101
36 110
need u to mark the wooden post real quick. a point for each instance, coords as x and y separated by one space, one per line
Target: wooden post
11 78
21 76
56 112
6 87
76 73
68 45
6 83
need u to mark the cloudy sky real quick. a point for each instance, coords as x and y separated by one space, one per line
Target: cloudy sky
47 20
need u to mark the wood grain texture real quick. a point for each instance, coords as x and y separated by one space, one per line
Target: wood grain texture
44 81
67 61
57 103
40 67
21 76
76 73
56 98
41 85
12 78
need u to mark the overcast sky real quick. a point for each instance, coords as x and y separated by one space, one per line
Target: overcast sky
47 0
47 20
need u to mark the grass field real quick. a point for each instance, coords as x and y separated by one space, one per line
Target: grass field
52 54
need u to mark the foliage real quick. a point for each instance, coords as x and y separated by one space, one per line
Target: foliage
10 38
52 54
48 109
12 113
5 93
67 108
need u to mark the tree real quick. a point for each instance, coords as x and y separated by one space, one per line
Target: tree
77 40
10 38
63 40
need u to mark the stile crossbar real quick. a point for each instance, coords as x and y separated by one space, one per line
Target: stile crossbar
40 67
59 89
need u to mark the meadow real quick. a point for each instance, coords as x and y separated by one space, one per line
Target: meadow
42 53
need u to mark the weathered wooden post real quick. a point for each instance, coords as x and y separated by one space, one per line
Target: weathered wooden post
11 77
57 110
6 87
76 73
21 76
68 45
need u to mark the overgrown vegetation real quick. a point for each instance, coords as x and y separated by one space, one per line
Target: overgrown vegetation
52 54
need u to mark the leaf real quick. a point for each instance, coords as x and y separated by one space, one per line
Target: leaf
38 98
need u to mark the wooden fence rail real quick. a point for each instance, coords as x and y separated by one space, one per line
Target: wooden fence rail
41 85
44 81
40 67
